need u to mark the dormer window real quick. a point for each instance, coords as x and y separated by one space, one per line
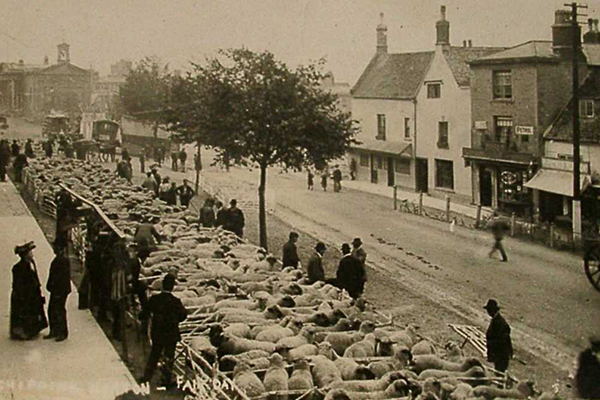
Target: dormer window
586 108
434 90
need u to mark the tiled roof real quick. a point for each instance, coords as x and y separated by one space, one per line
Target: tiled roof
382 146
393 76
589 128
534 50
458 59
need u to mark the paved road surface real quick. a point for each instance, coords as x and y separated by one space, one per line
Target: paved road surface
85 365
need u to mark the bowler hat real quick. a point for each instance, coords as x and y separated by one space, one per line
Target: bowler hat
345 248
320 246
357 242
24 248
492 305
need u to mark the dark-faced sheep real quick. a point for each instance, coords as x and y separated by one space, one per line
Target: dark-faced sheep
399 361
351 370
340 341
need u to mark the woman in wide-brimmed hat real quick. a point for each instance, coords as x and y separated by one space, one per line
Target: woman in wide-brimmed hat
27 316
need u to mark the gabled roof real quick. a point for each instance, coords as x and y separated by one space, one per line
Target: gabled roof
458 59
18 67
393 76
64 66
589 128
534 50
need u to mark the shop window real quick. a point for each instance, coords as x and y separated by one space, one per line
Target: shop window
364 160
406 128
444 174
503 129
380 127
402 165
434 90
442 135
502 81
511 188
586 108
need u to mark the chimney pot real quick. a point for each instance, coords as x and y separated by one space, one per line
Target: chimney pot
595 21
443 12
470 43
464 43
382 36
442 29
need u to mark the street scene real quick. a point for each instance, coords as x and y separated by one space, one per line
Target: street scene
303 200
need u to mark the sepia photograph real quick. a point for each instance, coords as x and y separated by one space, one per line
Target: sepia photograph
299 199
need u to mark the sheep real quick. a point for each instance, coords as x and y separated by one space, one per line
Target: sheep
234 303
406 337
274 333
372 385
293 289
429 361
276 377
291 355
324 370
253 287
307 300
523 390
340 341
454 352
396 389
238 329
337 394
343 325
247 380
203 346
400 360
306 336
473 372
385 348
350 369
228 362
423 347
301 378
462 391
364 348
240 315
227 344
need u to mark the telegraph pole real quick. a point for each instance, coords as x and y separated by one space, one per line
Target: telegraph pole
576 151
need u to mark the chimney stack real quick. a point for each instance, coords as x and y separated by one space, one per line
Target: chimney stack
563 33
443 29
590 35
382 37
470 43
464 43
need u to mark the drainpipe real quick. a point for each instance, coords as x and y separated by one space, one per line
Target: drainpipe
414 150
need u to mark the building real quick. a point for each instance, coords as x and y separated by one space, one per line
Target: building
37 89
414 114
340 89
515 96
106 88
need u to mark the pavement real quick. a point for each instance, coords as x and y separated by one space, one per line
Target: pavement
85 365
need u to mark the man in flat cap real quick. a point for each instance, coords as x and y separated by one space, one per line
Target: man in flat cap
351 273
499 344
315 264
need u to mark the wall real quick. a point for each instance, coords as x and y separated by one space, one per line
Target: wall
589 152
453 106
69 90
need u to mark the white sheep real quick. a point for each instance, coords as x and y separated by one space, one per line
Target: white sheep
364 348
276 377
462 391
324 370
291 355
523 390
429 361
473 372
399 361
396 389
236 345
351 370
238 329
423 347
274 333
340 341
306 336
247 380
301 378
406 337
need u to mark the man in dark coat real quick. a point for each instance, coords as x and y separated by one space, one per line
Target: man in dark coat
290 252
185 193
174 157
587 377
27 316
221 215
15 149
4 159
358 252
499 344
167 312
146 236
170 195
351 273
19 163
64 209
207 214
49 148
498 227
235 219
337 180
59 286
182 159
315 269
29 149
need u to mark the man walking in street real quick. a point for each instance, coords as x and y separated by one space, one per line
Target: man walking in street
185 193
290 252
498 228
351 273
337 180
59 286
167 312
174 157
142 162
358 252
182 158
4 159
235 219
314 268
499 344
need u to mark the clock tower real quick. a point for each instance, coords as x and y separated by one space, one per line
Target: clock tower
63 53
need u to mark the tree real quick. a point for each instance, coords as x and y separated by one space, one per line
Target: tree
255 111
145 93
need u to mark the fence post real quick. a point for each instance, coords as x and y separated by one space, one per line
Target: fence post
478 218
395 197
447 208
420 203
512 224
552 235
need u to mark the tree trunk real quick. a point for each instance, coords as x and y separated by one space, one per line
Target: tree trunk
155 129
262 213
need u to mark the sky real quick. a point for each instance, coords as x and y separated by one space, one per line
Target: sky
102 32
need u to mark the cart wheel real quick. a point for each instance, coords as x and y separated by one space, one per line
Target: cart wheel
592 266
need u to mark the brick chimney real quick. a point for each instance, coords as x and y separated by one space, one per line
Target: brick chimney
443 29
563 32
590 36
382 46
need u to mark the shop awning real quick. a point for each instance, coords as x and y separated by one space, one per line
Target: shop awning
381 146
558 182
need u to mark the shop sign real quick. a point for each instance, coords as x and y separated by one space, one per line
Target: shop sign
480 124
524 130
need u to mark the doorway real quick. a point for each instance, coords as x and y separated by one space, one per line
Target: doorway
390 171
373 169
485 187
422 179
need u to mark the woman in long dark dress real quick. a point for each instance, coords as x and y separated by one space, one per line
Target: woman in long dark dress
27 315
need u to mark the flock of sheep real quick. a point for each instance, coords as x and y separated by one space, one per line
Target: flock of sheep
275 335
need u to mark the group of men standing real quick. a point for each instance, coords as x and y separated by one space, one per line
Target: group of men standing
231 219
